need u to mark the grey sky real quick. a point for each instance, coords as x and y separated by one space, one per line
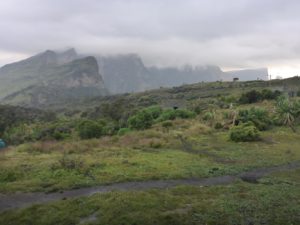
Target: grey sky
228 33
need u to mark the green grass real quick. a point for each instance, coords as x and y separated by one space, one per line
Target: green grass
143 155
275 200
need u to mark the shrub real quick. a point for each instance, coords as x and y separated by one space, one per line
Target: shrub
123 131
250 97
184 113
167 124
268 94
208 116
287 112
141 120
244 132
256 96
172 114
218 126
169 114
258 116
71 163
154 111
110 128
144 118
89 129
155 144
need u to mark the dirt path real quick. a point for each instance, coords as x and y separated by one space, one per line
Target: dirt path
19 200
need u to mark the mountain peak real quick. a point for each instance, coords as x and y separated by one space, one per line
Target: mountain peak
67 56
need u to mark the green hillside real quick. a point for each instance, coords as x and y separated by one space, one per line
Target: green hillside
207 153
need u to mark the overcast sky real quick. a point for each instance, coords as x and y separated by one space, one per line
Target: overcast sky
227 33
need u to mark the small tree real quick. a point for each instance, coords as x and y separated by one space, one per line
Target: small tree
89 129
142 120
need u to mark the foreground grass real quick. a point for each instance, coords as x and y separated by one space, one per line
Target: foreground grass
150 154
275 200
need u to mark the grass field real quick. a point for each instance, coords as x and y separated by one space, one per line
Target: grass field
145 155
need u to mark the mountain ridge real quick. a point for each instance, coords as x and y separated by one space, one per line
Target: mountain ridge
35 79
49 77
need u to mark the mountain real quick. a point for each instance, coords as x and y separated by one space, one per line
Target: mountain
171 76
50 77
22 74
127 73
124 73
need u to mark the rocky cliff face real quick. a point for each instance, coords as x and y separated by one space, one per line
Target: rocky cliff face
171 76
124 73
127 73
50 77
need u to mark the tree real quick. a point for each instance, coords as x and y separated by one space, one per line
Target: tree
142 120
89 129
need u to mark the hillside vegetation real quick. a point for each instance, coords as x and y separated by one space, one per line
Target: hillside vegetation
189 132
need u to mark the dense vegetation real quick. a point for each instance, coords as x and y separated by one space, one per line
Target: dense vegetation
203 130
284 111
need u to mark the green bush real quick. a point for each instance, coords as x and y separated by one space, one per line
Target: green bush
142 120
258 116
123 131
288 112
184 113
268 94
147 117
58 130
244 132
172 114
169 114
110 128
89 129
256 96
154 111
250 97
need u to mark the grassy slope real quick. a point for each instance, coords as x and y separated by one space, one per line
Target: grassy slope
159 154
144 155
